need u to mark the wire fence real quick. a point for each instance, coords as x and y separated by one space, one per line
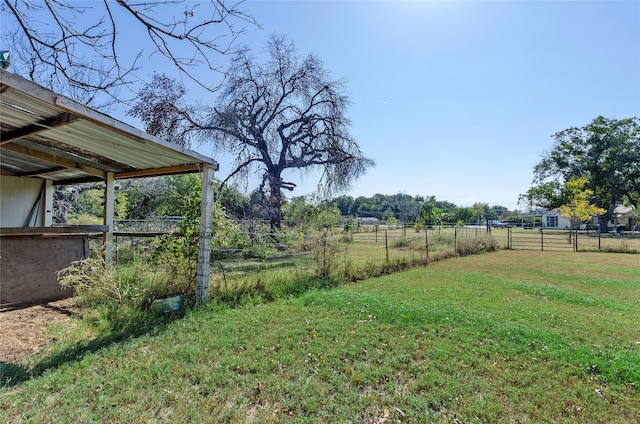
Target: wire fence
257 246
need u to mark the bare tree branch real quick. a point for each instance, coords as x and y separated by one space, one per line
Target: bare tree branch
84 44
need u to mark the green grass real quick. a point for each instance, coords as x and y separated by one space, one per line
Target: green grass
510 336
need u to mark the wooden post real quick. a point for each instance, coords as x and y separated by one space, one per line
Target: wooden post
109 212
204 241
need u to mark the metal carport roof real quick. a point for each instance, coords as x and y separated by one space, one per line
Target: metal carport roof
45 135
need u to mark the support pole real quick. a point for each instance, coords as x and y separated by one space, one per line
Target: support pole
204 241
109 213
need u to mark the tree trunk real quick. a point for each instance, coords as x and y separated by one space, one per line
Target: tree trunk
603 220
275 201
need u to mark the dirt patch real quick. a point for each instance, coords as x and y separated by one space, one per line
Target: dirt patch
25 330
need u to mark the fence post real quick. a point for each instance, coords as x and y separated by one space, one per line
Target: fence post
599 232
426 242
541 239
386 244
576 241
455 241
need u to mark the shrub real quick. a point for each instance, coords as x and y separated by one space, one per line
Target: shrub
93 281
474 245
324 250
136 286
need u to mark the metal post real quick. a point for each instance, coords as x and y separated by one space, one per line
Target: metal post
426 242
386 244
455 241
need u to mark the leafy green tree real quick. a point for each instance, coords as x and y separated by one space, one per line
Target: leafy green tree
606 152
463 214
297 213
91 202
388 215
484 212
329 216
346 204
430 213
302 215
546 195
232 201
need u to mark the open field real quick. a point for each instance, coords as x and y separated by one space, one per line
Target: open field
511 336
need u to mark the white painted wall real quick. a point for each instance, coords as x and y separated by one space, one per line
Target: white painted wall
563 222
17 197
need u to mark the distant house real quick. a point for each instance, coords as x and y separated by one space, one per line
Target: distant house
369 221
554 219
622 218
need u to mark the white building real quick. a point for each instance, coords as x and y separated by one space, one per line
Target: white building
554 219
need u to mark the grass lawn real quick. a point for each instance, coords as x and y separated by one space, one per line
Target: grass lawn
511 336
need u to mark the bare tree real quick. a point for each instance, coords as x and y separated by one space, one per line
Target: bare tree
285 114
83 43
161 107
281 115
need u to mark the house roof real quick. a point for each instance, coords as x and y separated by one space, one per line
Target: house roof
622 210
46 135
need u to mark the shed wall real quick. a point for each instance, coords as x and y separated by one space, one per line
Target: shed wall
17 198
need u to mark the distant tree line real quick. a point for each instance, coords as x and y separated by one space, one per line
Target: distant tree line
407 209
174 195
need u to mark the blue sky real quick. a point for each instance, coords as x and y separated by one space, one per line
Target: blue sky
460 99
457 99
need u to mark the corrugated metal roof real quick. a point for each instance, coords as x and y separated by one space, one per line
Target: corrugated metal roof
50 136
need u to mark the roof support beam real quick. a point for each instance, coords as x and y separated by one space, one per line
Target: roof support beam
36 154
154 172
64 118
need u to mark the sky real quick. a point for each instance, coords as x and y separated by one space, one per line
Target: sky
456 99
460 99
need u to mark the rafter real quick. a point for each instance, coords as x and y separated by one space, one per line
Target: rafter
36 154
64 118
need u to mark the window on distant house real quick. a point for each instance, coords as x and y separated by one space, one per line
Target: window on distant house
552 221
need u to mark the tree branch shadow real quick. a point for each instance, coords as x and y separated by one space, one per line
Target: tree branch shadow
12 374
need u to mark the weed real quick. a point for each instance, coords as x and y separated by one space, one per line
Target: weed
475 245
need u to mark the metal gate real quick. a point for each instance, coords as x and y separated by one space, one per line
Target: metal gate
544 239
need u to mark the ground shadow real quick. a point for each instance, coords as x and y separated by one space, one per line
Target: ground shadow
122 330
